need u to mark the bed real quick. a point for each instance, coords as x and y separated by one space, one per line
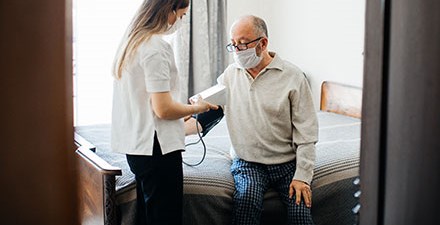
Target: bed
107 190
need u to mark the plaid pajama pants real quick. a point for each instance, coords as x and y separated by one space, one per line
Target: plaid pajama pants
252 180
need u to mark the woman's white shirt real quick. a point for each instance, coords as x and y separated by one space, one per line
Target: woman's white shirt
152 70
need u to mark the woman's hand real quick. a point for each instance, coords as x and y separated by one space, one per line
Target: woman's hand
202 105
166 108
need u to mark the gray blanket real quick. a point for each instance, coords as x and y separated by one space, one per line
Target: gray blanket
208 188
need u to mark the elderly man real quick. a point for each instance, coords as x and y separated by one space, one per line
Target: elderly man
272 125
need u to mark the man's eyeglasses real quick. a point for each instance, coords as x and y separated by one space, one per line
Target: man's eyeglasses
240 47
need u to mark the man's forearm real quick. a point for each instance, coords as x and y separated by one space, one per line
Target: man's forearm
305 162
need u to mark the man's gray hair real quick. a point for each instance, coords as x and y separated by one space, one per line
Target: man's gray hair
260 27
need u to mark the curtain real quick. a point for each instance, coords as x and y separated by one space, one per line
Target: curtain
199 46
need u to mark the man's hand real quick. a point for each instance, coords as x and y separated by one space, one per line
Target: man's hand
300 188
187 118
191 127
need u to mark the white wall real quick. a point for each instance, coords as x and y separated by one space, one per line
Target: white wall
325 38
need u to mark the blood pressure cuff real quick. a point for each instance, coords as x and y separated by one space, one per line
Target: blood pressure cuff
209 119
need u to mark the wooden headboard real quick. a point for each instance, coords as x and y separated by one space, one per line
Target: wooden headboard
341 99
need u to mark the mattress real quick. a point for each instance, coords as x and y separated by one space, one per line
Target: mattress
208 188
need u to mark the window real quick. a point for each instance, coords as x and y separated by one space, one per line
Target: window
97 29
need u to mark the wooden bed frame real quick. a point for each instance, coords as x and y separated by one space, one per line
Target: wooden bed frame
96 178
341 99
96 186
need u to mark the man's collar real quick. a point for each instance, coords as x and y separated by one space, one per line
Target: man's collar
277 62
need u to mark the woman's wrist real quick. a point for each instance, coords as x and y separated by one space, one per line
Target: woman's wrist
195 109
201 109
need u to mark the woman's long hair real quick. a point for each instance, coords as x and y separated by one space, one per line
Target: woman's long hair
150 19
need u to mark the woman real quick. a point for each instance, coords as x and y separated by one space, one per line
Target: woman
147 122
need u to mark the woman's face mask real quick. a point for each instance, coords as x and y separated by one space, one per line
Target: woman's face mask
174 27
247 58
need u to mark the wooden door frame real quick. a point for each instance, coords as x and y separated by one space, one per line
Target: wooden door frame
374 106
37 161
400 117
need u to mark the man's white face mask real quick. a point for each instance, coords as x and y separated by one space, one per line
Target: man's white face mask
176 26
247 58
